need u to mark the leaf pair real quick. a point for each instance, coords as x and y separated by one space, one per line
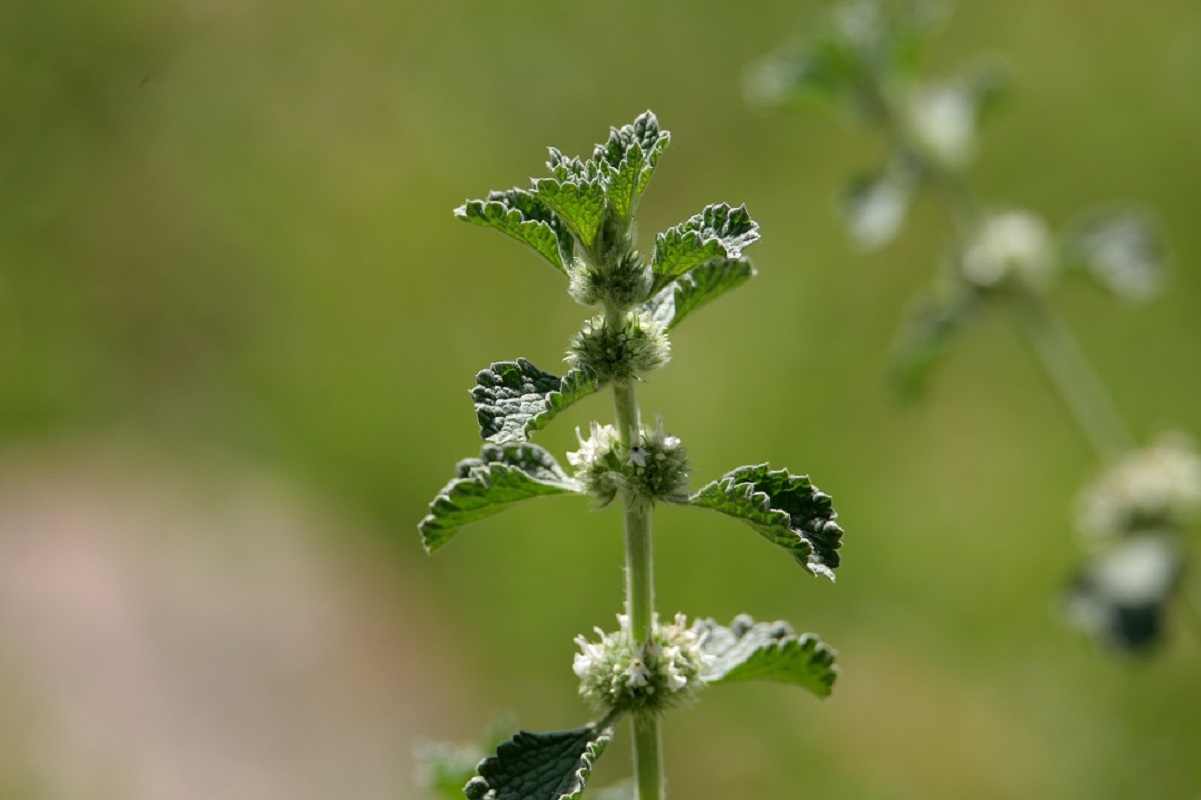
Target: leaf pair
556 766
787 510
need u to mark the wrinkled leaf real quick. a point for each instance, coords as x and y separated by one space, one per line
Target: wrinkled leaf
576 194
696 288
628 159
767 651
483 486
527 219
785 509
515 398
541 766
719 231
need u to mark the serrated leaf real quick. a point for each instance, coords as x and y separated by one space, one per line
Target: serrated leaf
696 288
576 194
786 509
501 476
1121 248
719 231
931 324
521 215
515 398
766 651
628 160
541 766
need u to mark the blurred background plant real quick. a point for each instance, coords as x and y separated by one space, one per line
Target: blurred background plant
230 292
1138 518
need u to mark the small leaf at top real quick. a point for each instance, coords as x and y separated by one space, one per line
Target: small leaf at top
482 486
1121 248
515 398
628 160
696 288
576 194
785 509
717 232
541 766
767 651
527 219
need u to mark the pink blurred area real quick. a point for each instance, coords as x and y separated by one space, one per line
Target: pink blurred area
171 631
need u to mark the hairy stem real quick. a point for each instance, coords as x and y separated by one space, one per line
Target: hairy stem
640 599
1070 373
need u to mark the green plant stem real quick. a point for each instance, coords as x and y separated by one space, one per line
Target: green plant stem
640 599
648 772
1070 373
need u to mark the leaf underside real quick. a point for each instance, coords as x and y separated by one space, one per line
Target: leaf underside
541 766
515 398
502 475
524 217
767 651
787 510
696 288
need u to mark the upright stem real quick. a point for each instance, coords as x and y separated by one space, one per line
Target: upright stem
1069 371
640 600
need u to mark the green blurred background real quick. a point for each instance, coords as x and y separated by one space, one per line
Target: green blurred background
229 271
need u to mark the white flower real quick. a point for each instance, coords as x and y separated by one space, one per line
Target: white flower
594 448
636 457
943 121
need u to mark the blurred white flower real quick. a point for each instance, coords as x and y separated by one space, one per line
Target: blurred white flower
1009 244
1157 487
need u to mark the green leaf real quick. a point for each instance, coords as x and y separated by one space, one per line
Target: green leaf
515 398
696 288
717 232
785 509
541 766
482 486
628 159
930 325
576 194
519 214
766 651
1121 248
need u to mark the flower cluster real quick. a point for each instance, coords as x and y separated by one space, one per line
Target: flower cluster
654 469
623 285
620 352
1158 487
659 466
646 677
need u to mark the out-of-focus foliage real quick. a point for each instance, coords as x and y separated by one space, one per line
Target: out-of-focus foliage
227 223
1007 259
